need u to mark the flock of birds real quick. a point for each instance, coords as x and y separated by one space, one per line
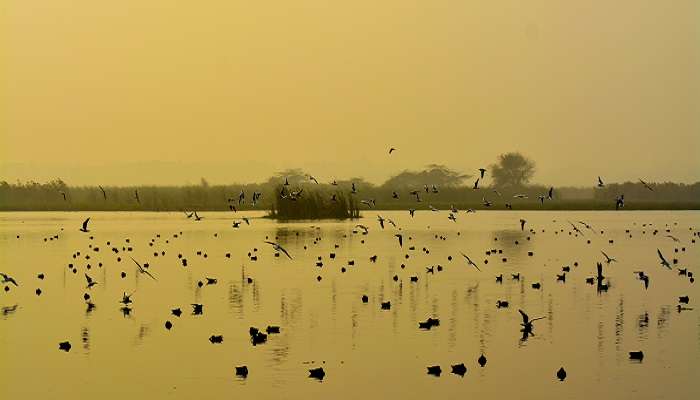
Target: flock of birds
260 336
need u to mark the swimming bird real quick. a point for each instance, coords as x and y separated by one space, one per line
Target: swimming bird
364 228
311 178
277 247
561 374
65 346
317 373
242 371
470 262
85 225
481 360
8 279
459 369
143 270
663 259
550 194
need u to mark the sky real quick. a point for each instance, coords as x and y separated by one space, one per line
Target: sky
168 91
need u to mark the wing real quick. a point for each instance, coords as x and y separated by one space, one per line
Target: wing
525 317
285 252
85 223
149 274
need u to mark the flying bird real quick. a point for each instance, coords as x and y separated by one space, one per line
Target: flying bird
277 247
476 184
400 237
646 185
608 259
600 182
143 270
391 150
104 194
8 279
522 224
470 262
482 171
663 259
136 195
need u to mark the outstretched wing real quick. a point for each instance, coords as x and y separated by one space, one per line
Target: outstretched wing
85 224
284 251
525 317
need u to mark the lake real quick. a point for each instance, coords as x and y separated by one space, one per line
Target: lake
365 351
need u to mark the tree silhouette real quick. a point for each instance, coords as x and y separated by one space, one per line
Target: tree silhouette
512 170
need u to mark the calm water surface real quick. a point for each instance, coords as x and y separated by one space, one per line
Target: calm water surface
366 352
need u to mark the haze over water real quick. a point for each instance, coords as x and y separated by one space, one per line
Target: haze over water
366 352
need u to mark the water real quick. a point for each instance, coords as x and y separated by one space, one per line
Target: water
366 352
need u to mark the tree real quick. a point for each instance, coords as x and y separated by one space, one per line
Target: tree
512 170
433 174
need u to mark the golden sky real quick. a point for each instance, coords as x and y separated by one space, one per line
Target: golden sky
167 91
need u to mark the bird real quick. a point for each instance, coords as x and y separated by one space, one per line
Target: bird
85 225
527 323
675 239
608 259
411 211
136 195
277 247
142 269
643 277
242 371
364 228
459 369
317 373
188 215
470 262
636 355
485 202
476 184
522 224
8 279
561 374
600 182
434 370
663 259
197 217
481 360
550 194
214 339
64 195
400 237
65 346
90 282
104 194
391 150
646 185
311 178
482 171
381 221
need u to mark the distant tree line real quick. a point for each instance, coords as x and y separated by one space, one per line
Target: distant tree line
507 182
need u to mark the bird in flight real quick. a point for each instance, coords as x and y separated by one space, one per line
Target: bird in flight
311 178
143 270
136 195
527 323
104 194
90 282
620 202
381 221
522 224
364 228
675 239
470 262
550 194
64 195
476 184
85 225
482 171
8 279
277 247
646 185
391 150
608 259
400 237
600 182
197 217
664 262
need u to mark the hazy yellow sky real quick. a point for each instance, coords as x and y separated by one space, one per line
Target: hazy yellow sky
167 91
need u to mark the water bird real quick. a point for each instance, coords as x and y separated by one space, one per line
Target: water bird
636 355
90 281
470 262
277 247
561 374
522 224
481 360
608 259
197 309
8 279
272 329
459 369
429 323
501 304
84 228
482 171
65 346
142 269
386 305
646 185
168 325
434 370
684 299
242 371
215 339
317 373
476 184
176 312
400 237
600 182
663 262
527 324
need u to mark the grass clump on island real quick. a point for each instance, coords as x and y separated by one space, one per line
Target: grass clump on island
315 205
